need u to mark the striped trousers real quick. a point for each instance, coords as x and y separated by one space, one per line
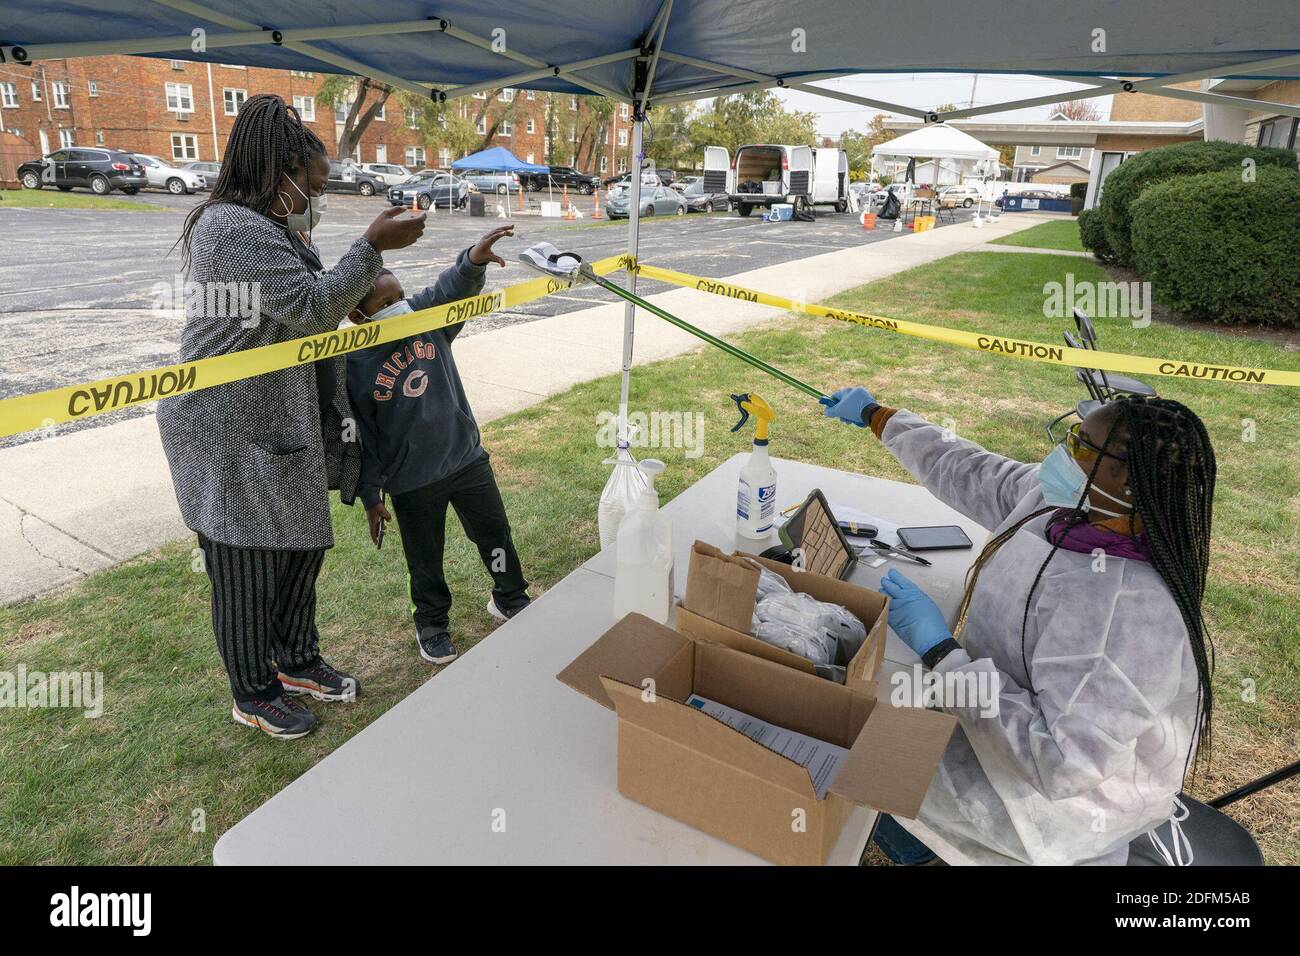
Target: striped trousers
263 614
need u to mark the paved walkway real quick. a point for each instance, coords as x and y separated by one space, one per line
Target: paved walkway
1035 249
73 504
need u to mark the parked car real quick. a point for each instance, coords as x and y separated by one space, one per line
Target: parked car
683 183
209 170
561 177
487 181
103 170
175 179
390 174
666 176
655 201
649 178
697 200
762 174
1030 194
444 190
346 176
964 196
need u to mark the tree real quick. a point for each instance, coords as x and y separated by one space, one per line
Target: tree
365 98
1081 111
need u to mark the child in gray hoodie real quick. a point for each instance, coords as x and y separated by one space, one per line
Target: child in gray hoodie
420 444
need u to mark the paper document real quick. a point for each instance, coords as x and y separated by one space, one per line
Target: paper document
822 760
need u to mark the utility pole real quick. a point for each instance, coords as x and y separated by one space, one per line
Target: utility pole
974 81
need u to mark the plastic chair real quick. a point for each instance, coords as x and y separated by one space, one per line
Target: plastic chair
1214 839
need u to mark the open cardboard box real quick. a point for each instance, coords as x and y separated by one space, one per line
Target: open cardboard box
719 607
684 763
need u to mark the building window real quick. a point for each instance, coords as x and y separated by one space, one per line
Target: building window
1035 150
506 128
1069 152
185 146
507 95
240 66
622 165
622 137
9 95
341 111
234 99
381 153
305 74
573 102
481 95
99 137
444 157
412 119
532 128
61 95
482 126
604 164
65 138
180 98
36 92
306 107
382 115
178 65
415 156
92 88
532 95
529 159
623 111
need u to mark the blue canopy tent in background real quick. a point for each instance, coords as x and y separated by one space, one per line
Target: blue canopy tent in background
655 52
497 159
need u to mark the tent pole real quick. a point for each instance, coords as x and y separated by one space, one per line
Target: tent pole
633 244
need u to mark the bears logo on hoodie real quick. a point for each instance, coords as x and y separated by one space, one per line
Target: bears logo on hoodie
398 363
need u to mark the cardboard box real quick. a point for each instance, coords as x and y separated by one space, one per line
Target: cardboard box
719 607
684 763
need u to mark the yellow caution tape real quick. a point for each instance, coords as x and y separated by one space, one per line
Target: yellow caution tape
75 402
997 344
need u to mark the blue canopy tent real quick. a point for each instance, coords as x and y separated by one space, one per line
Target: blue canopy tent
647 52
498 159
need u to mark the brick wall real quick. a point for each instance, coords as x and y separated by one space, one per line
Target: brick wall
1156 109
127 108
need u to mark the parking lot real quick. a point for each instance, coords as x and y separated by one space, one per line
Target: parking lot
80 288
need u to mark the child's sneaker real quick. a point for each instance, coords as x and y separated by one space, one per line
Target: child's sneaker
323 682
501 615
280 717
435 645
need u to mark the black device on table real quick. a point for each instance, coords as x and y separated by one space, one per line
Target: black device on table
948 537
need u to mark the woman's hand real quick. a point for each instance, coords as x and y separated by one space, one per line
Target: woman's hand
377 516
848 404
389 232
912 614
481 252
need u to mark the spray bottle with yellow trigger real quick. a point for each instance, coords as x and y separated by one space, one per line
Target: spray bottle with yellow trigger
756 496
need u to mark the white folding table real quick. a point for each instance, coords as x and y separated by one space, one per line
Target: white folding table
494 761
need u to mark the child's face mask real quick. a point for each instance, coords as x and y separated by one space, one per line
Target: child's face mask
400 307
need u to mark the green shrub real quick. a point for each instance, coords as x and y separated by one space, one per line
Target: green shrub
1093 235
1220 248
1126 183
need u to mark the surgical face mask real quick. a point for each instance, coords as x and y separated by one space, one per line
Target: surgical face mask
400 307
1063 482
308 219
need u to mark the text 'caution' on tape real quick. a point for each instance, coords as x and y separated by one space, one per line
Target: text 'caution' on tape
75 402
997 344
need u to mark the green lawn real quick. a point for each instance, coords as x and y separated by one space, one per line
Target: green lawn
1058 234
50 198
126 787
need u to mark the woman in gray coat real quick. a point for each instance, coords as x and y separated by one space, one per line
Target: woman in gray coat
253 460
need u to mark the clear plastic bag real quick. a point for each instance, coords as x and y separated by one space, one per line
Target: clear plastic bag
769 582
815 646
625 484
833 629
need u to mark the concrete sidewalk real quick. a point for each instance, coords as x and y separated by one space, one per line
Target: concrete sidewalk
73 504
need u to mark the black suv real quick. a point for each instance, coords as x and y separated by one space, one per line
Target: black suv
347 177
103 170
561 176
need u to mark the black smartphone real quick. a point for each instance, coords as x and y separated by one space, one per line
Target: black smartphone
946 537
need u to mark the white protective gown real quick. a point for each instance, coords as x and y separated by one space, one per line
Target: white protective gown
1095 759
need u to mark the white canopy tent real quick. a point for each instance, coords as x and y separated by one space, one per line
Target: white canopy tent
937 142
647 52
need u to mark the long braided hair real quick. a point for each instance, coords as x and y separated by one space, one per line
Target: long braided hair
268 139
1171 472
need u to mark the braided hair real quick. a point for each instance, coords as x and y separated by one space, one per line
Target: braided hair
1171 471
268 139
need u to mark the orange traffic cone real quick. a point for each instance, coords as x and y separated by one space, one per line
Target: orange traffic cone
595 212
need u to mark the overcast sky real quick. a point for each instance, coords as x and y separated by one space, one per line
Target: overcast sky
925 91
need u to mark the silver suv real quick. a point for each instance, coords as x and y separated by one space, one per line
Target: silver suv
489 182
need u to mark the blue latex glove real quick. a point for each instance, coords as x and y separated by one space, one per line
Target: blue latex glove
847 405
912 614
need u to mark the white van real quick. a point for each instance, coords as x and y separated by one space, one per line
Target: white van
762 174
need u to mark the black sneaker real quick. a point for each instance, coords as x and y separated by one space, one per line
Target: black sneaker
280 717
501 615
435 645
323 682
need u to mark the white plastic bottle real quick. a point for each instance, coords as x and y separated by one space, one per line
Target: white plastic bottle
756 493
643 574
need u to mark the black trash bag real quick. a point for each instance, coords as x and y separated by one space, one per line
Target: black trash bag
803 212
893 208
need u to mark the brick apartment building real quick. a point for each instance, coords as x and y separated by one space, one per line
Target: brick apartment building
183 111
